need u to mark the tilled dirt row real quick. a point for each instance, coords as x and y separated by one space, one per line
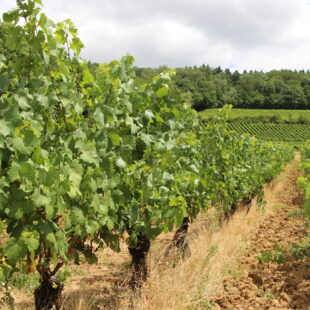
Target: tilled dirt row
271 285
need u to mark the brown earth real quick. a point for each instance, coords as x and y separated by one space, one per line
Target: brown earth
271 285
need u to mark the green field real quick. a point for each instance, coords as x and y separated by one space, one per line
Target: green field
274 132
284 126
266 116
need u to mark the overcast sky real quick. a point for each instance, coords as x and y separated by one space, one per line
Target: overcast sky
238 34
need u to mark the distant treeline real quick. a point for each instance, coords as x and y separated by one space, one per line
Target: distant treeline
205 87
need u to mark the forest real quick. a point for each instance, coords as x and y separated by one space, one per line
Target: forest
205 87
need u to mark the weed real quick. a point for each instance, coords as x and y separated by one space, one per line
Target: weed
25 282
267 294
202 305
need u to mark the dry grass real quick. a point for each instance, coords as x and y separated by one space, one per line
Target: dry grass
188 285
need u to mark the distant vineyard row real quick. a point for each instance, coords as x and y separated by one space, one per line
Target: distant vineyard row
274 132
262 115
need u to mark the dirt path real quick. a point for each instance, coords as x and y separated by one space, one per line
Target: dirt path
271 285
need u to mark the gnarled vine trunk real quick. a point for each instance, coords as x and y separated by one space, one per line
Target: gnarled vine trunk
247 202
48 295
139 254
180 240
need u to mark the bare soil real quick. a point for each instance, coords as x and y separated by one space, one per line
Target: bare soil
271 285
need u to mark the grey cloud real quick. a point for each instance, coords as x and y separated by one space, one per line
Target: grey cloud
248 34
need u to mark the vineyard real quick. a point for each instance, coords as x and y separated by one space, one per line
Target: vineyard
273 132
89 160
